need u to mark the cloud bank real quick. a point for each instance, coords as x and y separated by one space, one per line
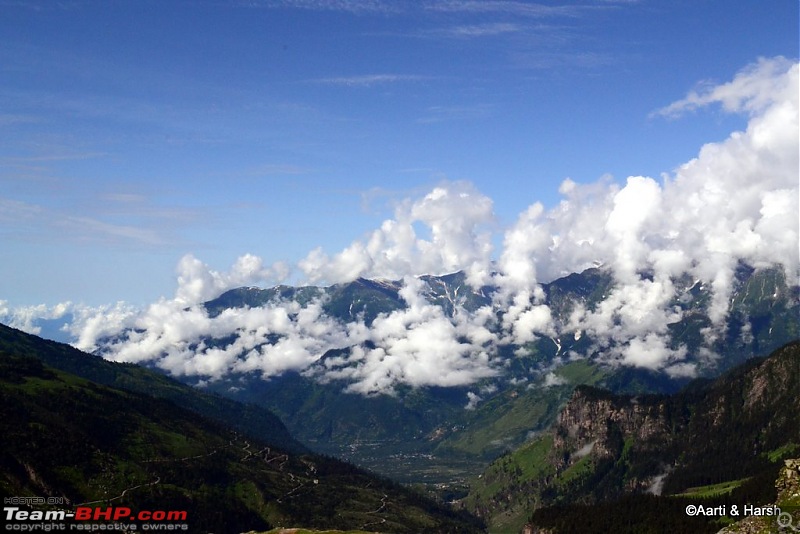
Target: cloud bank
736 201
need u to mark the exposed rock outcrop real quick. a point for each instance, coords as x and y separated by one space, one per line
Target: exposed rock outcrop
788 501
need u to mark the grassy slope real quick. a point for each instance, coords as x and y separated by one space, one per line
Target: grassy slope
250 419
61 435
508 419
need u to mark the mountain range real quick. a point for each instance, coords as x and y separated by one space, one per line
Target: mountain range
631 463
429 429
560 417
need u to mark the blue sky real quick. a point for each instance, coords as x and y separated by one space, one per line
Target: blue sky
134 133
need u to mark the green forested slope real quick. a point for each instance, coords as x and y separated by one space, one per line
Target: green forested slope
65 436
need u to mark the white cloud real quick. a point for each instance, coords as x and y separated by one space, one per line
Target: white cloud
478 30
418 345
755 88
510 7
472 400
144 225
636 210
368 80
357 7
736 201
649 351
25 317
456 216
552 379
198 283
90 325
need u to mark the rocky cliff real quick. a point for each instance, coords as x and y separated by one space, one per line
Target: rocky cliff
787 507
594 420
655 442
606 446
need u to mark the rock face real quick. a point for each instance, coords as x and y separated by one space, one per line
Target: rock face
788 484
614 431
606 446
745 414
788 487
594 416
